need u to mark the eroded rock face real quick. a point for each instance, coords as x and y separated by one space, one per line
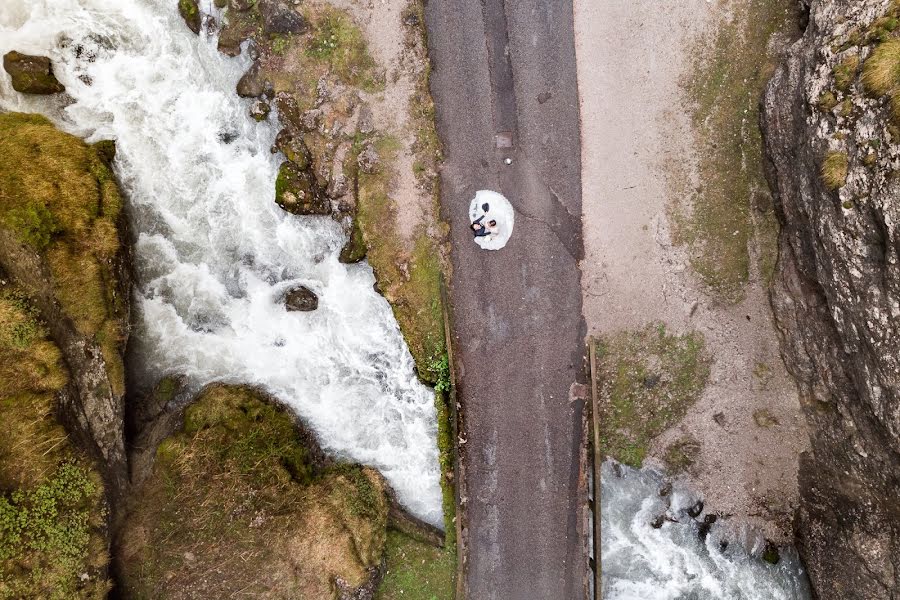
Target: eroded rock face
31 74
833 148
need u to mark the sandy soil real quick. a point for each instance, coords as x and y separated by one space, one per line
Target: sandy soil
634 125
401 54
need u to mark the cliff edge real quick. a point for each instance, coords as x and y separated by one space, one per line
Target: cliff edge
831 121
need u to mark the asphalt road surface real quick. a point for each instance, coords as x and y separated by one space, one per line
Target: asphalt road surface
508 69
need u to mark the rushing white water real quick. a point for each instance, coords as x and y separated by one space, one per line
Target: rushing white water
672 562
214 252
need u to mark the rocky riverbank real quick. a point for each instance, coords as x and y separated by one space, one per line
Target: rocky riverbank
833 145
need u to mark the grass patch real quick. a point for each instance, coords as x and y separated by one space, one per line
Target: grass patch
417 571
733 210
58 197
237 494
881 71
681 455
834 169
52 516
646 380
845 73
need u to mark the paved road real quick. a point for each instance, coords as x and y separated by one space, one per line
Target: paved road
518 330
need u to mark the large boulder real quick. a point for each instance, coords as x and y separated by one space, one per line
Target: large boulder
832 139
31 74
279 18
297 191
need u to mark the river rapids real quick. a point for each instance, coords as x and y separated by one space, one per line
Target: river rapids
214 254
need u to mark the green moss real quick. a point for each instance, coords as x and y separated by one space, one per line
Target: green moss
733 208
646 380
410 281
58 196
239 480
416 571
446 452
681 455
827 101
51 500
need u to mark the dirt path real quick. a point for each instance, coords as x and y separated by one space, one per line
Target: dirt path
635 128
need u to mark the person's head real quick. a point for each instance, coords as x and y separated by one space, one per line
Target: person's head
492 223
476 226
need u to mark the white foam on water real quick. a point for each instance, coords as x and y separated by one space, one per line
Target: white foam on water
673 562
214 253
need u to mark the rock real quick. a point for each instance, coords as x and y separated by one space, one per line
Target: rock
220 3
251 84
190 12
695 509
106 150
301 299
297 192
279 18
543 97
705 526
310 119
290 143
240 5
836 298
355 248
259 110
31 74
364 122
719 418
658 521
230 41
368 160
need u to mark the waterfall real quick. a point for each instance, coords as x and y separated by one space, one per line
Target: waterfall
214 254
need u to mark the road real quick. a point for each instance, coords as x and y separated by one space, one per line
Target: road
518 332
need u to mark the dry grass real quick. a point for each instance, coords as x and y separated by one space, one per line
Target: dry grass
236 504
881 71
52 525
834 169
58 197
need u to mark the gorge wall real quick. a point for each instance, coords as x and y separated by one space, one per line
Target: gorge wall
831 120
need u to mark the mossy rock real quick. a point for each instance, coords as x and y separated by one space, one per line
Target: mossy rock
52 511
242 480
297 191
59 199
190 12
31 74
355 248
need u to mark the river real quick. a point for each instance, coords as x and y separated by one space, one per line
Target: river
213 253
677 560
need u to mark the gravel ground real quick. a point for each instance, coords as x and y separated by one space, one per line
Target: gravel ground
637 139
